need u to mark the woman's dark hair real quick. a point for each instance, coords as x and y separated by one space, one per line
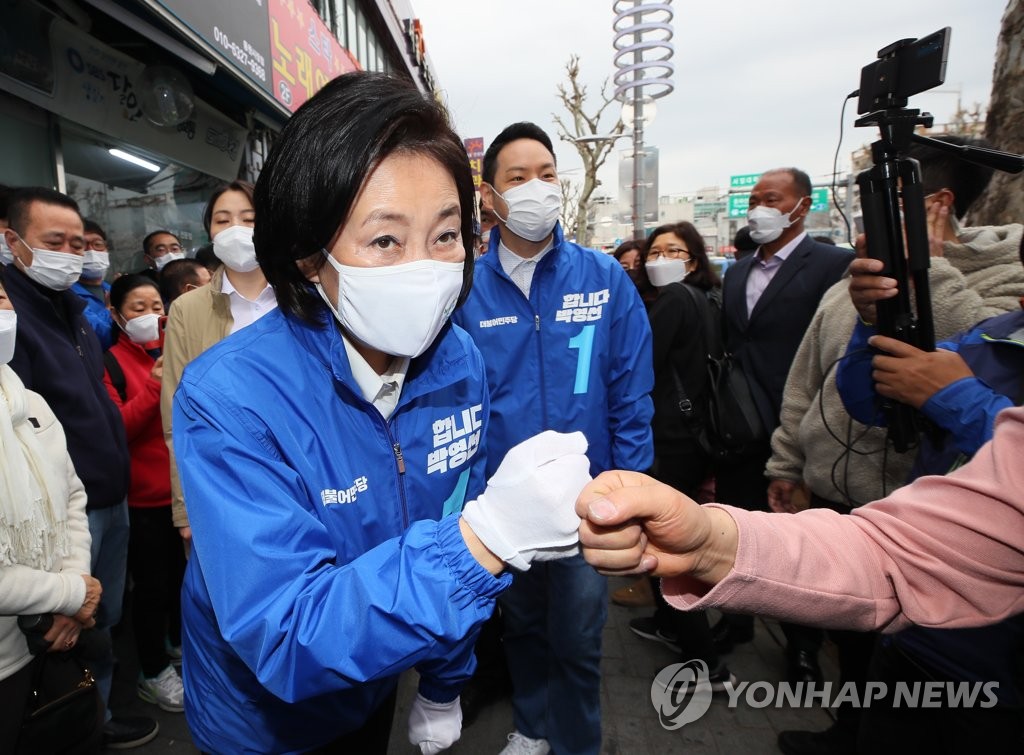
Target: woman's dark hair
704 275
243 186
314 172
627 246
124 285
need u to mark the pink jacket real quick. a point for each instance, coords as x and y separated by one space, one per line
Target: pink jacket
943 552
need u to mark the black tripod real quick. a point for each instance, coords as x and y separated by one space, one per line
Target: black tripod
891 184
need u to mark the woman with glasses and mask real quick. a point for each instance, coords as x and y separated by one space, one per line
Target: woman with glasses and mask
684 317
327 452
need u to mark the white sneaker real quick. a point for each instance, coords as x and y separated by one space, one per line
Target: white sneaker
520 745
164 690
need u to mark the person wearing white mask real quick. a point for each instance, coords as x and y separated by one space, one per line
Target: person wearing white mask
238 294
568 348
158 248
59 357
44 542
327 450
156 560
91 286
768 301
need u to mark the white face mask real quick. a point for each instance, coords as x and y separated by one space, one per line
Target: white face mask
768 223
57 271
533 209
95 264
8 334
161 262
663 271
143 329
6 258
397 310
233 246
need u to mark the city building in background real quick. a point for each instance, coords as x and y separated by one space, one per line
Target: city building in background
138 108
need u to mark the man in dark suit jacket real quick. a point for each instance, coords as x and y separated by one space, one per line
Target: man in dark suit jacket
768 300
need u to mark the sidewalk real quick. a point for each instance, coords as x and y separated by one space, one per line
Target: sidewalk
631 725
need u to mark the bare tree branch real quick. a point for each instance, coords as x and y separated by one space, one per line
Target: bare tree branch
573 95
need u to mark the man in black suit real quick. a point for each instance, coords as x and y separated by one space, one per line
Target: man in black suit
768 300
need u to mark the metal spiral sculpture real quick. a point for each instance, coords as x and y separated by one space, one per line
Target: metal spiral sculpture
643 48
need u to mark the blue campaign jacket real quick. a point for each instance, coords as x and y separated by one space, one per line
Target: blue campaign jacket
320 570
966 410
576 355
96 313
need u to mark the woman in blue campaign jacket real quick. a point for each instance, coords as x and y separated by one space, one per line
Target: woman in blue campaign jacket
322 448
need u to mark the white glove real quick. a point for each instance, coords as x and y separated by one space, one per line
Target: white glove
434 726
528 511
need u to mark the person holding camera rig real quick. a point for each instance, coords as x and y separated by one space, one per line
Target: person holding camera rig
975 280
44 536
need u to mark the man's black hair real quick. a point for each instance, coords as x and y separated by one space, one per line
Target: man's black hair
5 198
176 275
91 226
206 257
940 170
521 130
150 236
21 199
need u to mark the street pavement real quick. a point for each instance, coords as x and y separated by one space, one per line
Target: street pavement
630 723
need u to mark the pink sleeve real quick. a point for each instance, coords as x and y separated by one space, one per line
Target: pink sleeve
943 552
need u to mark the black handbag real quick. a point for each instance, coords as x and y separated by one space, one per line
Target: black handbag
65 711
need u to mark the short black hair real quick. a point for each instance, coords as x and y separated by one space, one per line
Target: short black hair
206 257
5 198
176 275
941 170
243 186
631 245
91 226
521 130
743 242
322 158
21 199
153 234
801 179
124 285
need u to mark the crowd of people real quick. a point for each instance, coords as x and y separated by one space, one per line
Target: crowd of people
348 440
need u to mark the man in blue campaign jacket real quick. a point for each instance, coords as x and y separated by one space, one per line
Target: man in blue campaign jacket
961 387
91 287
567 345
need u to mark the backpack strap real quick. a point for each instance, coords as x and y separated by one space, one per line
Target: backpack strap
116 375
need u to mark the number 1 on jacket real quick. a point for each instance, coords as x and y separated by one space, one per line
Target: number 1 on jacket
585 343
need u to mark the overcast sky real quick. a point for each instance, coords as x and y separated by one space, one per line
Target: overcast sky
757 85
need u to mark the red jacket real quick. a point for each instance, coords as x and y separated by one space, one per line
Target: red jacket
151 466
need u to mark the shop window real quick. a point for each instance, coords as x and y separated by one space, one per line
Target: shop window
129 200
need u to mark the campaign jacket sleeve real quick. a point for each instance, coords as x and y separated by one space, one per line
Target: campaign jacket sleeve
631 380
943 552
304 624
967 409
853 378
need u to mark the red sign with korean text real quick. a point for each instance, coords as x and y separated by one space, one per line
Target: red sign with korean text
304 52
475 150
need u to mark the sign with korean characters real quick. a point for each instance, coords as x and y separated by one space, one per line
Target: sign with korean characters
304 53
475 150
738 202
745 181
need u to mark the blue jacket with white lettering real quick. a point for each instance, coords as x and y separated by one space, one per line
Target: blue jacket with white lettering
574 356
325 561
